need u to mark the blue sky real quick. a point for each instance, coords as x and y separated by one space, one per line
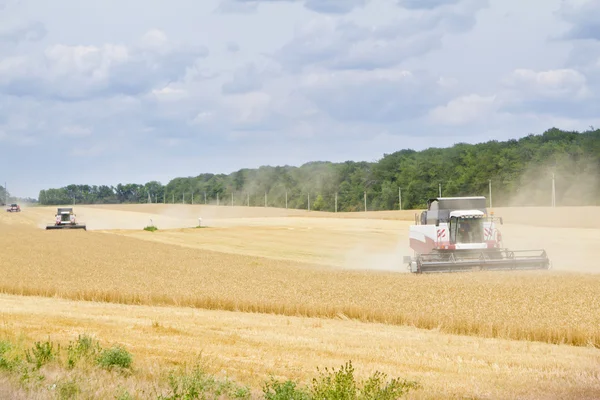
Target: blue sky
103 92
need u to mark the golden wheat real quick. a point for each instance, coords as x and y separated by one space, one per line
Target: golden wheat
549 307
251 347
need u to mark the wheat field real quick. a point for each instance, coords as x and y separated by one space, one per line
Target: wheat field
250 347
298 264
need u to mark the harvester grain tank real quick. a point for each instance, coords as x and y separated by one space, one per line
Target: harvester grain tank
457 234
66 219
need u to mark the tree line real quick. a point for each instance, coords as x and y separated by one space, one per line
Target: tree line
520 172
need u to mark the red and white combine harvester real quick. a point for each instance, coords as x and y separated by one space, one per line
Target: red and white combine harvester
65 219
456 234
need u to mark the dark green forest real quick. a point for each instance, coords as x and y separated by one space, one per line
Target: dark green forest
519 171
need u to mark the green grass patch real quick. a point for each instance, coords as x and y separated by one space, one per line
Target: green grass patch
340 385
115 357
83 369
197 384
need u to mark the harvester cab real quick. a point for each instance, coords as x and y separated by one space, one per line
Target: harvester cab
466 229
456 234
66 219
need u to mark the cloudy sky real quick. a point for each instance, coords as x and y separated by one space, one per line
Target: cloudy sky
103 92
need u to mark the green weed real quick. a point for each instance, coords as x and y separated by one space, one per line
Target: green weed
41 353
340 385
198 385
115 357
84 348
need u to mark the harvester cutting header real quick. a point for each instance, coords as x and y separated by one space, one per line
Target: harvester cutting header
66 219
456 234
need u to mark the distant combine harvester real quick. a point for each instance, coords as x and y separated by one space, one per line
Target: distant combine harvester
66 219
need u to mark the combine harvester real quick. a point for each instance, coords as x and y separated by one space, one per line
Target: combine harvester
14 208
456 234
66 219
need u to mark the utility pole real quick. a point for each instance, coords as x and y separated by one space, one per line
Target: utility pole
309 201
336 201
490 183
440 189
204 198
173 195
365 201
400 198
286 204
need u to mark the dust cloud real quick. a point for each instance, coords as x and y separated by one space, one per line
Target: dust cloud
366 259
577 183
568 232
380 246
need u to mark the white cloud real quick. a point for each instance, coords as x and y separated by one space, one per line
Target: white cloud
245 79
81 71
379 96
331 42
583 16
169 93
334 6
233 47
425 4
202 117
237 7
90 151
556 84
464 110
76 131
320 6
583 35
25 31
562 93
249 107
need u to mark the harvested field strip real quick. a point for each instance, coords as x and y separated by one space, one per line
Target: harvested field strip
506 330
249 348
540 306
